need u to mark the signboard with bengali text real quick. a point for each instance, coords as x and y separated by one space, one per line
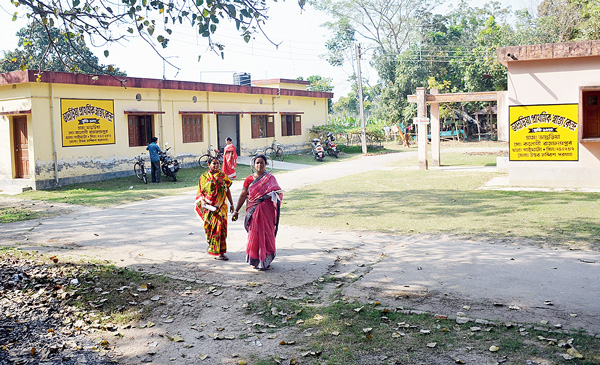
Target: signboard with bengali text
544 133
87 122
420 120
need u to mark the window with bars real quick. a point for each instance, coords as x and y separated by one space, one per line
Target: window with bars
263 126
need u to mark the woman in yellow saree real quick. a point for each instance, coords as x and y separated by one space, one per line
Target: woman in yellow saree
213 188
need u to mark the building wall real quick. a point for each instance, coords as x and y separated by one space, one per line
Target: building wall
313 112
556 81
6 148
15 98
96 162
502 116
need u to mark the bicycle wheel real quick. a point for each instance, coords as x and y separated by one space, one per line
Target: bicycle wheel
137 168
279 154
144 175
203 161
270 152
269 163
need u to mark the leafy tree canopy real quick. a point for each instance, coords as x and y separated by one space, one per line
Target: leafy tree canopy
457 48
319 83
568 20
49 49
387 25
151 20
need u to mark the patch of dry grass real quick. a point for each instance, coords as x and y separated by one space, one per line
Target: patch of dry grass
446 202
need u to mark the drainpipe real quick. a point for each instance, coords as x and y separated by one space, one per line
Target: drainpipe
209 118
160 117
173 127
53 129
276 97
273 105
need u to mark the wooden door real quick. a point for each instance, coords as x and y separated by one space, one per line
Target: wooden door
270 126
297 125
591 114
21 146
255 126
284 130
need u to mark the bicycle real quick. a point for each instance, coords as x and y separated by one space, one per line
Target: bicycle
275 151
214 153
140 169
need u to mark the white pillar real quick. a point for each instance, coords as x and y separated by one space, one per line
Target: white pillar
434 111
421 122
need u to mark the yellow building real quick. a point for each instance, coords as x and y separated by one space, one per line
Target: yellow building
62 128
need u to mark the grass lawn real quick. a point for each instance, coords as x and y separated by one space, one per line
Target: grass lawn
346 152
408 201
340 331
400 201
449 154
123 190
452 159
335 329
308 159
129 189
18 213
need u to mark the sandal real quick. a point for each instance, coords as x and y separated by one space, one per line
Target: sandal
222 258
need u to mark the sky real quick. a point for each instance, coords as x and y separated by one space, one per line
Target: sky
298 33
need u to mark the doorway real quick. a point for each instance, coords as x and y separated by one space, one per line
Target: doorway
21 147
228 125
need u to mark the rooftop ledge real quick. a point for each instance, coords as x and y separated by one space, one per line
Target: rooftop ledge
548 51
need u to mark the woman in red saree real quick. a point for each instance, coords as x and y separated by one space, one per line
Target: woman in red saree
262 196
229 159
213 188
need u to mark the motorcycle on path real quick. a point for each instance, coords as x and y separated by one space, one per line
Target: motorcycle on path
168 165
317 149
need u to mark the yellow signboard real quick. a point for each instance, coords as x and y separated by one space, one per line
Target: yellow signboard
544 133
87 122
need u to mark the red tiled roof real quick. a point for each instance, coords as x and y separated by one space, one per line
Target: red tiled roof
16 77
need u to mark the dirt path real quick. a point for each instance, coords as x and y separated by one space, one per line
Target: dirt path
496 281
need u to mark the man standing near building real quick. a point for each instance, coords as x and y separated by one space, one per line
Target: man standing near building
154 160
229 159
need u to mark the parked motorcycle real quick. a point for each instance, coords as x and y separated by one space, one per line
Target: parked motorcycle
168 165
317 149
330 146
